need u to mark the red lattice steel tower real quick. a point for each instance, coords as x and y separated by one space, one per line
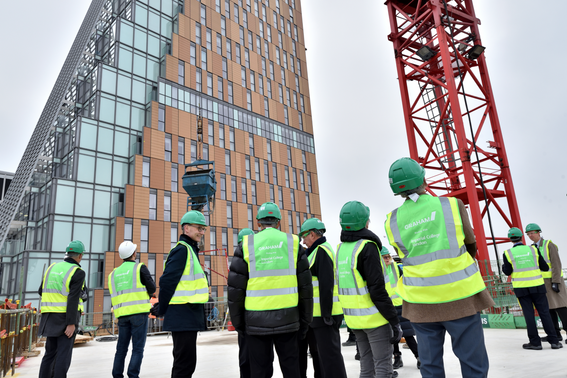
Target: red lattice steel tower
449 107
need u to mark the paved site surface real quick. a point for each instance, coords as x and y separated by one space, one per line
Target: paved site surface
218 357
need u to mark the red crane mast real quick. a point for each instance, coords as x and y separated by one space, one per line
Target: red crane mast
448 105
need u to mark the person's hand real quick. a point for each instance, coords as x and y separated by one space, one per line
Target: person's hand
155 310
555 287
397 329
70 330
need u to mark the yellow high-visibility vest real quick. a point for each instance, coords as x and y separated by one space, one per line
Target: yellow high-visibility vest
394 276
271 256
336 309
524 260
429 237
544 249
55 287
358 308
193 286
128 295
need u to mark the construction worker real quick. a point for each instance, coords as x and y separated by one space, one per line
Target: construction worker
442 289
327 311
130 286
243 358
525 265
61 308
394 273
183 292
270 295
553 278
367 307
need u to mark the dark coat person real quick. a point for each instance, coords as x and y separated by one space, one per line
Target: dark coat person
270 294
61 306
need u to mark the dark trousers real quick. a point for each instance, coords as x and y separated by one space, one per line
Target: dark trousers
412 344
260 348
562 313
467 340
57 358
184 354
243 358
135 328
539 300
329 346
310 341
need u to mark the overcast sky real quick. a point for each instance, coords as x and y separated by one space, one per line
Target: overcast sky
355 98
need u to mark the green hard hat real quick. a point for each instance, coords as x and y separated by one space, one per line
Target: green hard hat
243 232
405 174
384 251
193 217
311 224
533 227
514 232
353 216
76 246
269 210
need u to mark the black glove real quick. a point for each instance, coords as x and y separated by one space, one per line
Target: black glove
397 329
155 310
555 287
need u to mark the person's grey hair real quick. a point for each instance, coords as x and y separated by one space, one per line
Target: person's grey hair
73 255
419 190
318 232
269 221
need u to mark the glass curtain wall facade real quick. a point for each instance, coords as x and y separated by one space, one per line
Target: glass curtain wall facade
118 160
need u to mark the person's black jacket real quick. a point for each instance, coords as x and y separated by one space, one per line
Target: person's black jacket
370 269
53 324
271 321
323 269
507 269
179 317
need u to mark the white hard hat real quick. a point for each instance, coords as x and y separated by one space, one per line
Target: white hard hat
126 249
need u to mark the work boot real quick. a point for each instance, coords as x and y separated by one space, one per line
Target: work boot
394 374
532 346
418 363
350 341
559 338
557 346
398 363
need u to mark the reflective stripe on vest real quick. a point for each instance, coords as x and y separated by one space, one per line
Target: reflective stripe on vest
271 256
128 295
336 309
394 276
193 286
437 267
359 310
524 260
55 287
545 253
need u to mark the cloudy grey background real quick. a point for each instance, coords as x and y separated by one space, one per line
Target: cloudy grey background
355 98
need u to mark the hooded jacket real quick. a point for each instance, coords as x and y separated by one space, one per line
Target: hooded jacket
271 321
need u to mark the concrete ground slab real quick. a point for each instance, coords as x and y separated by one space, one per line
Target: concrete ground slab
218 357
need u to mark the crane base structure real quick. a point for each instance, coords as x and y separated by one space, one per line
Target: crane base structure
449 106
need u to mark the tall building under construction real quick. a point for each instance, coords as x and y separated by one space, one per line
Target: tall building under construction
107 158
